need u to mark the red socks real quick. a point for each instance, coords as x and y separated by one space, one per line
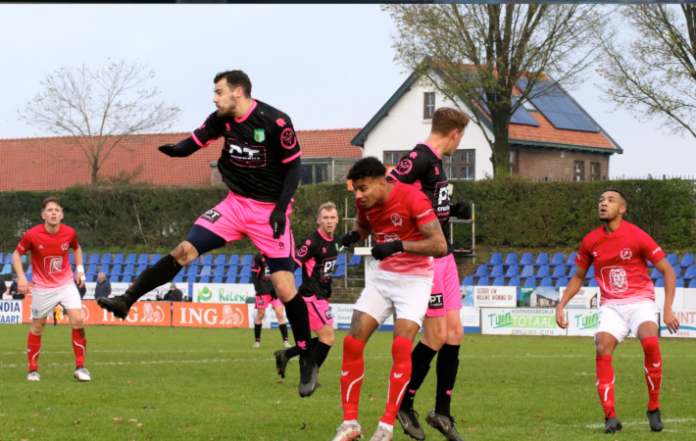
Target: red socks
33 349
79 343
605 385
398 378
352 373
653 370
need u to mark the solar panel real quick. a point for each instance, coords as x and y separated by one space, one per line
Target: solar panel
521 115
558 108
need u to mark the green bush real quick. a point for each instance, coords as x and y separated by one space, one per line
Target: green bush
510 212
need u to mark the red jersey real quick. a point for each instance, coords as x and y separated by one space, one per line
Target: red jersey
620 265
406 209
49 255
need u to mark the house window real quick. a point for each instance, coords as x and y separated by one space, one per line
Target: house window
595 171
428 105
579 171
393 158
514 162
314 174
461 165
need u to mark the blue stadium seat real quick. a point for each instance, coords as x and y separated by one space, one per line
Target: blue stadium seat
692 284
590 272
573 269
247 259
340 271
593 283
483 281
94 259
155 258
192 271
496 259
530 281
298 282
234 260
191 279
113 279
527 259
655 274
512 271
106 259
204 279
497 271
8 258
246 280
690 273
686 261
558 259
6 269
219 271
221 260
89 278
231 272
29 270
515 281
2 256
116 270
341 259
92 269
298 271
231 280
543 272
207 259
660 283
571 259
131 259
542 259
24 258
527 271
468 281
672 259
680 283
30 277
217 279
558 272
481 271
178 279
144 259
355 260
511 259
677 269
71 259
546 281
499 281
105 269
206 271
118 259
650 264
561 282
126 279
245 272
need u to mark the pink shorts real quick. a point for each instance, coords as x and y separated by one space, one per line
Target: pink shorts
238 217
264 300
446 294
319 313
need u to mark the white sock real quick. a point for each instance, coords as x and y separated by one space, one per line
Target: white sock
350 421
389 427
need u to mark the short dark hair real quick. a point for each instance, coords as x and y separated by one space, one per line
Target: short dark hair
235 78
369 167
446 119
50 199
620 194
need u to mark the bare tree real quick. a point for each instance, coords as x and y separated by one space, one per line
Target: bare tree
478 53
652 70
99 108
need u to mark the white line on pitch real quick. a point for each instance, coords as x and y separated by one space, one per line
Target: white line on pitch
636 423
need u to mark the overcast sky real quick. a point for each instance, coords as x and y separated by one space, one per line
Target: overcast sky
327 66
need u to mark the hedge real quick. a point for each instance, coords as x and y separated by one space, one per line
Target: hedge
510 212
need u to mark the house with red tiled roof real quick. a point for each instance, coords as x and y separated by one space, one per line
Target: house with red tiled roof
551 136
56 163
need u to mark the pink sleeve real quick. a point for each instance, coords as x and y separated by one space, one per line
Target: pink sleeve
651 250
24 244
584 257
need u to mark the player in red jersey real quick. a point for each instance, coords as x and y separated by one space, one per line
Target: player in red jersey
619 250
408 236
53 282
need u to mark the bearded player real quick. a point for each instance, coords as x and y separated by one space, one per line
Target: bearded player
260 164
443 334
408 236
53 283
265 297
619 251
317 256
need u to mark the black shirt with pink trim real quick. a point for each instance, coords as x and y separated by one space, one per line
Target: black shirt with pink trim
317 255
261 277
259 148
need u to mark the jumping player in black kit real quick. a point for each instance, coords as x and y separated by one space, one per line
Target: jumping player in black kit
265 297
443 327
317 256
260 163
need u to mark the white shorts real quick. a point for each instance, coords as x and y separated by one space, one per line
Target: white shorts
619 320
43 302
386 292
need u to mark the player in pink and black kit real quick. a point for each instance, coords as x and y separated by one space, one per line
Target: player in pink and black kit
260 164
53 283
317 256
265 297
408 236
423 168
619 251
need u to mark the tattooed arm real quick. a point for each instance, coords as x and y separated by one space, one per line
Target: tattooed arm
434 244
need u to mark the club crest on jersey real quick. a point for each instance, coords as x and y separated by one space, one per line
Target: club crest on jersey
396 219
302 252
626 254
259 135
614 278
287 138
404 166
64 247
53 264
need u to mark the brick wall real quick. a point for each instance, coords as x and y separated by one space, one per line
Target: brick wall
558 164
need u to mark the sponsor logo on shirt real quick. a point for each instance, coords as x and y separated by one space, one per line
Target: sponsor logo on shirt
657 249
281 122
396 220
327 268
41 247
626 254
245 155
211 216
53 264
436 301
328 315
386 237
614 278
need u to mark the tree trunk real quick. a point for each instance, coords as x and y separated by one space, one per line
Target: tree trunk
500 156
95 170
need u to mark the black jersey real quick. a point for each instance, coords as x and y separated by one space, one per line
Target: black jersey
258 148
422 167
261 276
318 255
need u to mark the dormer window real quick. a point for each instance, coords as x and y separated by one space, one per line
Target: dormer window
428 105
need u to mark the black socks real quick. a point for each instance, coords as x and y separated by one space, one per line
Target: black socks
447 367
298 316
257 332
421 357
320 352
152 277
284 331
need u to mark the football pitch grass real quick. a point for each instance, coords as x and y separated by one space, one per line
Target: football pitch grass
209 384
